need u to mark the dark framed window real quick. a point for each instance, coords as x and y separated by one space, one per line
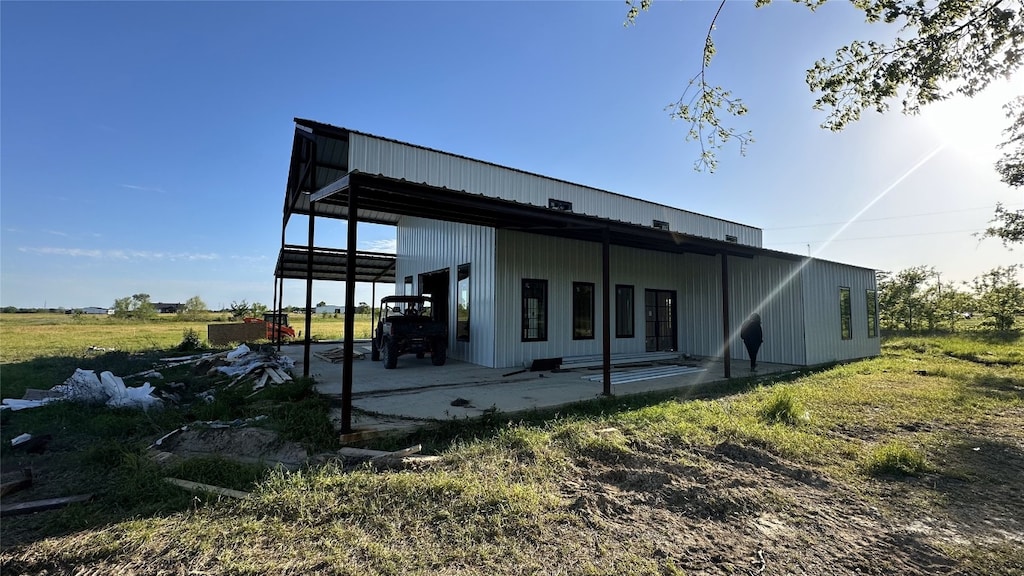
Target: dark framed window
462 314
563 205
872 300
582 310
625 313
661 225
731 238
408 286
845 314
535 310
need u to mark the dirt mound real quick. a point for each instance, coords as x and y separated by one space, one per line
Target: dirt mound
249 444
738 509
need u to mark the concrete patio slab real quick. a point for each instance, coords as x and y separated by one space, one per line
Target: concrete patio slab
417 393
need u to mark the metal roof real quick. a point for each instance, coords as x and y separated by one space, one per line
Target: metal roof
329 264
332 157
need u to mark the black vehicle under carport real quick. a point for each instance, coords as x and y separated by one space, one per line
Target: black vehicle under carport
408 324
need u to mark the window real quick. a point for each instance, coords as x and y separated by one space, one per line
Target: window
535 310
408 286
462 314
624 311
845 314
731 238
661 225
582 310
872 299
559 205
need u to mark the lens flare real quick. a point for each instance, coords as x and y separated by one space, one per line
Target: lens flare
796 271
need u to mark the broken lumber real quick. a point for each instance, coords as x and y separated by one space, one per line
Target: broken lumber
274 375
376 454
404 462
198 487
41 505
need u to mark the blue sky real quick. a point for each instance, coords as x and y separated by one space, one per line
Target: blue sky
145 145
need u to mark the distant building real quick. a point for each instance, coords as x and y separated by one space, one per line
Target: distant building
330 309
167 308
90 310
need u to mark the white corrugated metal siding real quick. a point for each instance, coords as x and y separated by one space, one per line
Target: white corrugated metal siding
415 164
430 245
799 307
772 288
560 262
821 281
696 280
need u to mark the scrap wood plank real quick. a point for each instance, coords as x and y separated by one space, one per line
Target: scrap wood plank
405 462
40 505
335 355
198 487
277 379
375 454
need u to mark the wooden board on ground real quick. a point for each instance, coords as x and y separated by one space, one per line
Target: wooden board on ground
197 487
336 355
41 505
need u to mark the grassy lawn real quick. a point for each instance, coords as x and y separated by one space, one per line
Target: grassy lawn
27 336
909 463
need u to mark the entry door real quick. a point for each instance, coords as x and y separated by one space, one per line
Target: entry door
436 284
660 313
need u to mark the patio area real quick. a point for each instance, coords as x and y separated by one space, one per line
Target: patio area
417 393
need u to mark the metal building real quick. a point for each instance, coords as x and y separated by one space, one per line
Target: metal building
528 267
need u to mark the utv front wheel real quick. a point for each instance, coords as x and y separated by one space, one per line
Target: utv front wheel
390 354
438 355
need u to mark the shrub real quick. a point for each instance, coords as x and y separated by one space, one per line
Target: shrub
784 407
190 340
897 459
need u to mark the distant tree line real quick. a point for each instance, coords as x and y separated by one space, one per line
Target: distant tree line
916 299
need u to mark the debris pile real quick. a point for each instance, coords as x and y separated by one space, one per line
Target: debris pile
337 355
255 367
258 367
85 386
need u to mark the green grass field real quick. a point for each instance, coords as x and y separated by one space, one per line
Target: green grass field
909 463
27 336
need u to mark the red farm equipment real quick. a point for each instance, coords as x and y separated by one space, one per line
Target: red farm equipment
277 325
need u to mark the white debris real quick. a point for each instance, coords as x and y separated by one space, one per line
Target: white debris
85 386
21 439
238 352
259 366
16 404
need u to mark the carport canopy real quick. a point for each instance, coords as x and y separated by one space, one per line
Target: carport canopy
293 263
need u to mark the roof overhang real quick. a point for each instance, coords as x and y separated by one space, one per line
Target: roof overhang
380 194
329 264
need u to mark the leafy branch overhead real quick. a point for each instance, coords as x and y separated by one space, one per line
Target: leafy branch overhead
700 103
941 48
